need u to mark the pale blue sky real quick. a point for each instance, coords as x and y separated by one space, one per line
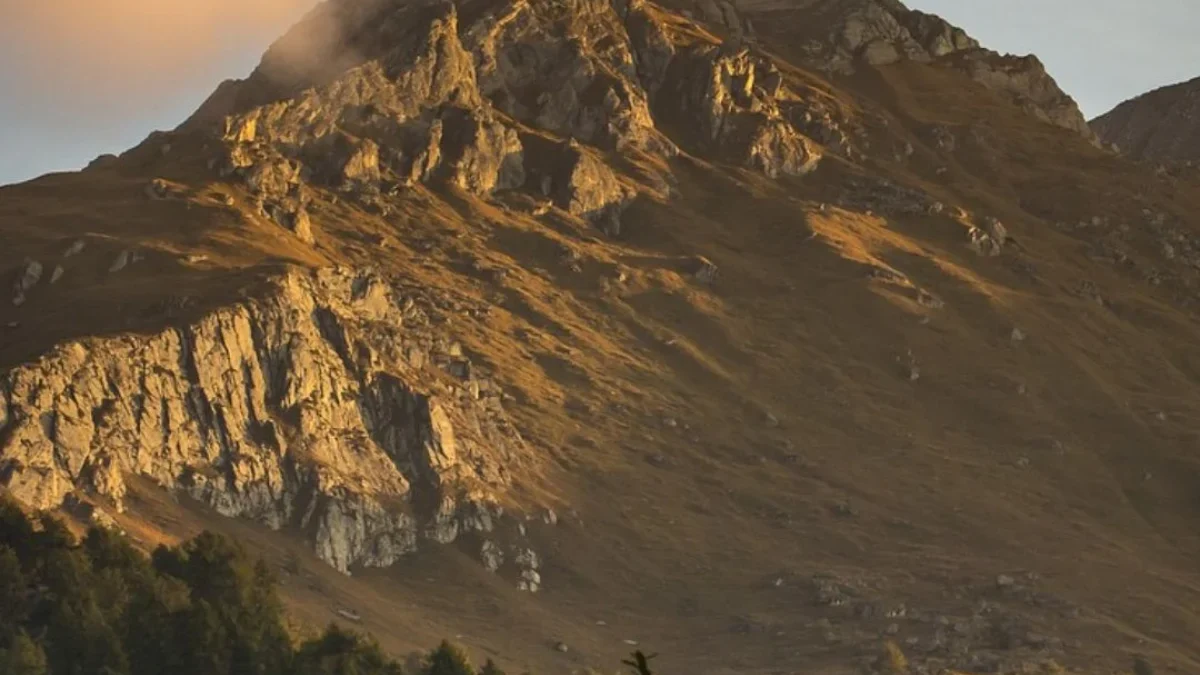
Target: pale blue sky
81 100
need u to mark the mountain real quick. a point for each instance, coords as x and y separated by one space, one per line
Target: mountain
760 334
1163 124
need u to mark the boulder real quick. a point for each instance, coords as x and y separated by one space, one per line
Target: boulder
704 271
75 248
982 243
577 181
487 155
491 555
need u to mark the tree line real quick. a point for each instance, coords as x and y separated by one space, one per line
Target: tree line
98 606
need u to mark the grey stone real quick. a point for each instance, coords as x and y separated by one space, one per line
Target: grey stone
996 230
704 270
491 555
28 277
268 391
717 89
75 248
883 32
983 244
120 262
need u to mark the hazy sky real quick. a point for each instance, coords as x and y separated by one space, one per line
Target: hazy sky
79 78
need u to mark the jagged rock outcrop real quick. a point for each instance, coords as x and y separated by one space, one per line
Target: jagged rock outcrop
407 109
1163 124
578 181
573 72
411 92
734 97
327 405
839 36
1024 80
884 32
650 43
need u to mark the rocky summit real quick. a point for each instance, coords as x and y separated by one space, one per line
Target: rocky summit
1161 125
767 335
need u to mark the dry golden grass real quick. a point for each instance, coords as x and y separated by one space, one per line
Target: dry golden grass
1048 455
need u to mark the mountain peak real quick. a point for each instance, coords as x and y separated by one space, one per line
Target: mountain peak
1163 124
759 333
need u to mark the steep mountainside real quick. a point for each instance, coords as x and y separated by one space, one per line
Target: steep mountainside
761 334
1160 125
839 36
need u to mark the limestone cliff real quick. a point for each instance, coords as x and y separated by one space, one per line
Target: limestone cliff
328 405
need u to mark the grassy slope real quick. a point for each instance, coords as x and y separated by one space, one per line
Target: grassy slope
681 529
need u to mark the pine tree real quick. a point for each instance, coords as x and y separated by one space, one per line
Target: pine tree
342 652
449 659
23 657
16 532
203 608
490 668
13 606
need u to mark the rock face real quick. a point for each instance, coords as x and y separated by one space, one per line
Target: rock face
414 93
563 71
882 32
840 36
327 405
1161 125
413 112
735 96
578 181
1024 80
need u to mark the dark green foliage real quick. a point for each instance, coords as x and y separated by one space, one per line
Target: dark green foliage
1141 666
16 532
449 659
101 607
12 592
23 657
342 652
235 611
